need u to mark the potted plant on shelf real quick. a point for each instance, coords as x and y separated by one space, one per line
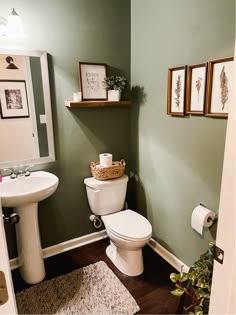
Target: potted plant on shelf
194 287
115 85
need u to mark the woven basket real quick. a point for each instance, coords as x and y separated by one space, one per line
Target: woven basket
104 173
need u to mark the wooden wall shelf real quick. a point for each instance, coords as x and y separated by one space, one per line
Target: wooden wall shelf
73 104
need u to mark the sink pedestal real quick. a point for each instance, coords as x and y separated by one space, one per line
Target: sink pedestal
30 254
24 193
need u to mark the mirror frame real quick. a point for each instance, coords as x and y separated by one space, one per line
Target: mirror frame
47 103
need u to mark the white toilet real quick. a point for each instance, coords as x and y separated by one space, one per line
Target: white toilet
128 231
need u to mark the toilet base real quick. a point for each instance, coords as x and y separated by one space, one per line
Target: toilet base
129 262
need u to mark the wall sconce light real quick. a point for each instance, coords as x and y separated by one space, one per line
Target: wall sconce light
12 26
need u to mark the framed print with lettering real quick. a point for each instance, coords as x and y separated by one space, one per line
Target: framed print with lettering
91 76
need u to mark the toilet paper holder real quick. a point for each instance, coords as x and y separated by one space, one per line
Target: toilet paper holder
213 220
210 219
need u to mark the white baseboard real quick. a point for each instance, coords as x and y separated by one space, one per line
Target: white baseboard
65 246
96 236
74 243
168 256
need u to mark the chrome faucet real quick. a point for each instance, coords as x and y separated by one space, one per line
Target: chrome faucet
24 172
13 173
19 173
27 170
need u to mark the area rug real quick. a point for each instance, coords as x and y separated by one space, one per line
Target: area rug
93 289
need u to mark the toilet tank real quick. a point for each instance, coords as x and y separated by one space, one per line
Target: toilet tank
106 197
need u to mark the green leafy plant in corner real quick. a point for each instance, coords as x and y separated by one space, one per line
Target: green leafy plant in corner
115 83
196 283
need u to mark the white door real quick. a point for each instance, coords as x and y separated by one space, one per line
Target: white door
224 278
10 306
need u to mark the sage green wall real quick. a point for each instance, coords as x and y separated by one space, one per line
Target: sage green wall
70 31
178 160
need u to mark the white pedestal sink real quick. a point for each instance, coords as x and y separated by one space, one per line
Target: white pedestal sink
24 193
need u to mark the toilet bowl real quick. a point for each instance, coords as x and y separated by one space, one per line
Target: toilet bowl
127 230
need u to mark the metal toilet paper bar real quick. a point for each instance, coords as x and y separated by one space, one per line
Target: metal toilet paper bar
210 219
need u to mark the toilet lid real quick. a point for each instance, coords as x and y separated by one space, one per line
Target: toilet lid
128 224
95 183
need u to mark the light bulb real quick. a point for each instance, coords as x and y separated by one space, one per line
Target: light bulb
14 25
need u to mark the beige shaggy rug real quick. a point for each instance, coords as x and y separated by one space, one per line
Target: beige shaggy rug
93 289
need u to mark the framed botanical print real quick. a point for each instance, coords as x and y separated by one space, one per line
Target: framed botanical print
196 89
219 87
176 91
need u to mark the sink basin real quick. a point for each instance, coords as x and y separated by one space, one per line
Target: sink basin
25 190
24 193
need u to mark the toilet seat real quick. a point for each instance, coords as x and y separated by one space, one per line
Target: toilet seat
128 225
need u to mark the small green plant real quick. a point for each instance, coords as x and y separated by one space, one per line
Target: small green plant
196 284
115 83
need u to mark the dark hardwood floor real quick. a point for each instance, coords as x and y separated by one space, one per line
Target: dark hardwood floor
151 290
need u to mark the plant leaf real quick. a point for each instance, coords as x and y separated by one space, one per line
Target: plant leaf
200 293
201 283
177 292
183 277
192 277
174 277
198 310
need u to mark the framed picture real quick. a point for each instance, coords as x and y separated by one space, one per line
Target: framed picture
196 89
13 99
91 76
219 87
176 91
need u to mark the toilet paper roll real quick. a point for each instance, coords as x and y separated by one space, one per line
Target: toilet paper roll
105 159
201 217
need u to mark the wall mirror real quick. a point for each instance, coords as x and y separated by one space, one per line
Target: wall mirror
26 130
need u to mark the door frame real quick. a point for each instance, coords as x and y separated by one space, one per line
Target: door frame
10 306
223 283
